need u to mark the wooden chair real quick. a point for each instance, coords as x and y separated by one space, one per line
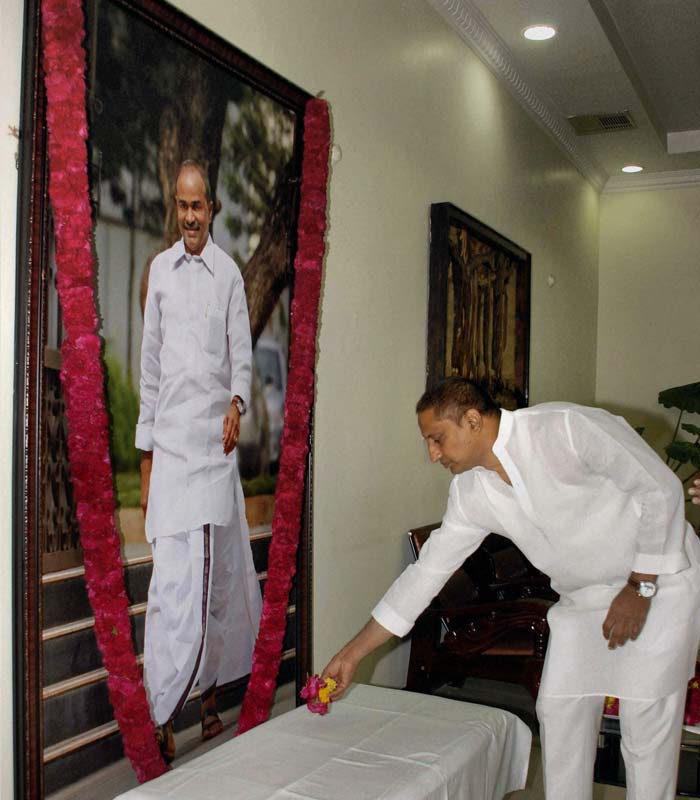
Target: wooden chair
489 621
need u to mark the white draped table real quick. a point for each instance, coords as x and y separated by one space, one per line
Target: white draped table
374 743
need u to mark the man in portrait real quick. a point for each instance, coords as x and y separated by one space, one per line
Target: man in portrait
592 506
204 599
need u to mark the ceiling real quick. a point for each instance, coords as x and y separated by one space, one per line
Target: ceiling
641 56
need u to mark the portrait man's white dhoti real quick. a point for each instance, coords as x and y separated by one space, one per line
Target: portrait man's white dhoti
204 600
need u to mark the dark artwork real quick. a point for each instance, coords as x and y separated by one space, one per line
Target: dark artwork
479 306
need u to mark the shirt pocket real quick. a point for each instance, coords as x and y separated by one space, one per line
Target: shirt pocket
215 330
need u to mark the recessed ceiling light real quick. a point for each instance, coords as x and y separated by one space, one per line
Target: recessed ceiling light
538 33
632 168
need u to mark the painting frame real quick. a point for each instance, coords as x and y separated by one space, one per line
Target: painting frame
447 219
34 235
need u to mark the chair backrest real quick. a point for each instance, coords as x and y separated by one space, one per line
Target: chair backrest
498 560
497 570
493 617
460 589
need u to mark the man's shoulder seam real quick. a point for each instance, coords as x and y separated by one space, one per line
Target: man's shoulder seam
162 256
553 407
159 262
224 259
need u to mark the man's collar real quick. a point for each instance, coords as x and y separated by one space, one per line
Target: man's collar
505 426
180 255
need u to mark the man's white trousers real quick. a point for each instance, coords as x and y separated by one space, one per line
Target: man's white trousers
188 599
650 744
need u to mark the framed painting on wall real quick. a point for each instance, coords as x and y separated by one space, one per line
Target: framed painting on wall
160 88
478 306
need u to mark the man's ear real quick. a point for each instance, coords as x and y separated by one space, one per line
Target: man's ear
472 419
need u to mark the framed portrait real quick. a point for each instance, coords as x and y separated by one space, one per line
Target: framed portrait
478 306
160 89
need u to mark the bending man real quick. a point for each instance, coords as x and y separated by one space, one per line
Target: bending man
204 599
592 506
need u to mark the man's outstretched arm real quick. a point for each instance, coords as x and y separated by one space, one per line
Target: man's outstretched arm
344 663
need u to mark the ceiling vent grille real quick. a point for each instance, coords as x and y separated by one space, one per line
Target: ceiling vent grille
585 124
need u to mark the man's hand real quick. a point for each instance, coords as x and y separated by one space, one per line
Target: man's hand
694 492
146 467
344 663
341 668
232 427
626 617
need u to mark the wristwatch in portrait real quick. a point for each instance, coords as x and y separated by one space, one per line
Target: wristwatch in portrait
644 588
240 405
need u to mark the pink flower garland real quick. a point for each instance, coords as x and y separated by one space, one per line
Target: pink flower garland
295 438
83 378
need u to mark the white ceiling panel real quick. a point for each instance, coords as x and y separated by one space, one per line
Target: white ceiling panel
608 56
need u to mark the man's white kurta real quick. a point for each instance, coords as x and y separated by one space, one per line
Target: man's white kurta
195 357
589 503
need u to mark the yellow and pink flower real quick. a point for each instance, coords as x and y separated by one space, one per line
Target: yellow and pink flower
317 694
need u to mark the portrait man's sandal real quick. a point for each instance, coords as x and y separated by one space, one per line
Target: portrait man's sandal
211 724
166 741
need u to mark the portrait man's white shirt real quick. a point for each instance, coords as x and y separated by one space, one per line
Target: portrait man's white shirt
196 356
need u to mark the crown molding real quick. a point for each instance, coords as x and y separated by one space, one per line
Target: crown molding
653 181
470 24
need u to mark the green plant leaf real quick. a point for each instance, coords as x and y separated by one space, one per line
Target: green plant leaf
262 484
128 486
686 398
693 429
684 452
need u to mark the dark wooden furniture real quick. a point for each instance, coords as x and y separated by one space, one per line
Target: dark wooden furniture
610 766
489 621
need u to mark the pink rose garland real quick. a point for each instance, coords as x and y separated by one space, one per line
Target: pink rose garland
295 438
83 379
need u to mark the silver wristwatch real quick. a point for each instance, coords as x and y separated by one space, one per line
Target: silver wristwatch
240 405
644 588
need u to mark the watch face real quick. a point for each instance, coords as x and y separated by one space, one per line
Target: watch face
647 588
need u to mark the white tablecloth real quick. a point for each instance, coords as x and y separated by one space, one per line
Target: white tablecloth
374 743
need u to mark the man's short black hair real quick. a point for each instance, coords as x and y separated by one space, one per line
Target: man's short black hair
190 163
454 396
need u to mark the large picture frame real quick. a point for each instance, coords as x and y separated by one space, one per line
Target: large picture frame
45 532
478 306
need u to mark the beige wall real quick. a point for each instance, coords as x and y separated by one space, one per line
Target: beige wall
419 120
649 279
648 312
